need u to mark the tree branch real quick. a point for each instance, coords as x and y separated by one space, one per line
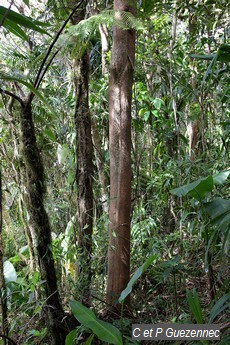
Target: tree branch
46 68
11 94
40 75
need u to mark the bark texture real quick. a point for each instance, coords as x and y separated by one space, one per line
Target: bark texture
84 173
39 220
120 95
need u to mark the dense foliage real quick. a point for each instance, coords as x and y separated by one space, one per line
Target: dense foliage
180 210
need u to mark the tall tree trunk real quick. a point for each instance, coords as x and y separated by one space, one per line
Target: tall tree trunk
84 160
120 96
3 291
40 222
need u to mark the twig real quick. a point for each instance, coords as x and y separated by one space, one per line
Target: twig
40 75
46 68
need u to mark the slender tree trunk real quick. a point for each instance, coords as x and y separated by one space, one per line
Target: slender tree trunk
97 143
3 292
84 161
120 95
104 47
103 177
196 123
41 225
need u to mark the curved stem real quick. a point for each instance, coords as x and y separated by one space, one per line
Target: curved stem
40 75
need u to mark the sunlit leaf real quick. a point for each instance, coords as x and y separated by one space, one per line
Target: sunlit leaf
9 272
221 177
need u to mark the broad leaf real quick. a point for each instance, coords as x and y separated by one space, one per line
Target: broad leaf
10 274
70 337
136 276
158 102
50 134
197 189
103 330
221 177
219 211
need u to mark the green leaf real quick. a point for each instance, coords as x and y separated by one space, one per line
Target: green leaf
221 177
194 305
30 87
225 340
9 272
203 57
222 54
15 29
27 2
219 211
225 48
136 276
197 189
146 115
158 102
24 250
70 337
103 330
22 20
48 133
89 340
222 304
146 8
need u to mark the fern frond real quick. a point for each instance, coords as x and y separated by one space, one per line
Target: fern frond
122 19
78 36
